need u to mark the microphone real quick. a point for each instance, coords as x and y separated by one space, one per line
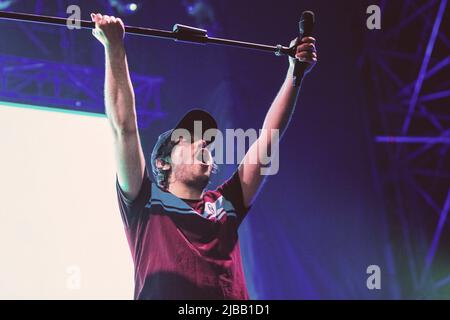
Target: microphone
306 26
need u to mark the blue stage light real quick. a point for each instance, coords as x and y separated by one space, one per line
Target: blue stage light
4 4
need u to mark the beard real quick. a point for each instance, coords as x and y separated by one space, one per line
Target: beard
194 176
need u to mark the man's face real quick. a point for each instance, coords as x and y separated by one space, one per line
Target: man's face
191 162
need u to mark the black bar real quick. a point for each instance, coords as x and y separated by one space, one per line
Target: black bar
202 39
83 23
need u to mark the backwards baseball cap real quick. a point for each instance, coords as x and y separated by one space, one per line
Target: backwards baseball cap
189 122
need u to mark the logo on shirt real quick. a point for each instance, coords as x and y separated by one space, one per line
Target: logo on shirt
210 209
212 212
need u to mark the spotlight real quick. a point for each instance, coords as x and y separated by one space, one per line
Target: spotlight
132 6
124 7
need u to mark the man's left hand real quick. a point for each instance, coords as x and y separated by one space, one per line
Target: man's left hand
306 52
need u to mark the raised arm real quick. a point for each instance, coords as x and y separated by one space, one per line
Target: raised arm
277 118
120 105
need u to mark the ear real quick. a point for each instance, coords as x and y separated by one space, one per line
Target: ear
161 164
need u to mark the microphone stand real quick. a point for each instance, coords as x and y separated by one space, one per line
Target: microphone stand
180 32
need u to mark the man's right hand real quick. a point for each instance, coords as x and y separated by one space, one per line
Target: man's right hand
109 30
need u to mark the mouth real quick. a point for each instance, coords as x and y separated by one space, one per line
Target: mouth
203 157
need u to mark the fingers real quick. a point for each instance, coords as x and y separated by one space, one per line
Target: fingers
306 51
101 20
308 40
121 22
304 40
96 17
307 44
306 56
109 30
306 47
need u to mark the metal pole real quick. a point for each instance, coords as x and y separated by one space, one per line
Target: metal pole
185 35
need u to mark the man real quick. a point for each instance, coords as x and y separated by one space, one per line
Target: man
183 239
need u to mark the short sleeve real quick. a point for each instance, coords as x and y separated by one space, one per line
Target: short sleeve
231 190
130 210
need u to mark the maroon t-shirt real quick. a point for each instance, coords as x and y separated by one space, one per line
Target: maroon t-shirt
184 249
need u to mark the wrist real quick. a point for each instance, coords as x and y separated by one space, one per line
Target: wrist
290 71
115 48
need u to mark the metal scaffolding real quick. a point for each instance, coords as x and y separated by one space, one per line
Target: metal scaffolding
405 66
58 81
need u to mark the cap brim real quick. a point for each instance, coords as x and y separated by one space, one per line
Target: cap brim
189 119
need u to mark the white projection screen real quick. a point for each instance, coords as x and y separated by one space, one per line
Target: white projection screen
61 236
